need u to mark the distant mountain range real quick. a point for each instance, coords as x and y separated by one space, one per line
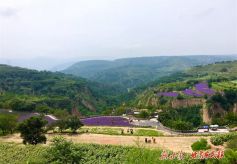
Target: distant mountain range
39 63
132 72
106 84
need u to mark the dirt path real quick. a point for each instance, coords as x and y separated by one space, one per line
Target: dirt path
170 143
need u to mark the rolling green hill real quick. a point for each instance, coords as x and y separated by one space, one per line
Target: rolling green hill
185 110
220 75
225 69
30 90
133 72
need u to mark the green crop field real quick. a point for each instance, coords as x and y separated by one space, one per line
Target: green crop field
235 81
19 154
117 131
220 86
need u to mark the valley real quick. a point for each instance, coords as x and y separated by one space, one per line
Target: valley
172 112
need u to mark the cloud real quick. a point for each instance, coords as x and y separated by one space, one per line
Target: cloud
8 12
91 29
205 13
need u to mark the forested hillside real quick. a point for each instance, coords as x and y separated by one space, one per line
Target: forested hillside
29 90
211 88
133 72
220 75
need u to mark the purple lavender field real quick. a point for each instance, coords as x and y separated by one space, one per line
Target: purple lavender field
106 121
203 87
168 94
50 119
191 92
26 115
200 90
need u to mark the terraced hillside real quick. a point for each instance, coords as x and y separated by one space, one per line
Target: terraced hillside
219 76
211 88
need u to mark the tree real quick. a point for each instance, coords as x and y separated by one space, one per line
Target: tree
74 123
182 125
162 100
32 130
180 97
144 114
120 110
62 125
8 123
224 70
59 113
42 108
22 105
231 96
231 118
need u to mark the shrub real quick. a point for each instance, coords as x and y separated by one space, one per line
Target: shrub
217 140
63 151
74 123
220 139
180 97
200 145
232 143
229 158
182 125
227 137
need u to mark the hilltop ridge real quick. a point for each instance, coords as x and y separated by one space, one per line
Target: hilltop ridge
132 72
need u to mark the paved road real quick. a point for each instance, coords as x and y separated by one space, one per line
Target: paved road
159 126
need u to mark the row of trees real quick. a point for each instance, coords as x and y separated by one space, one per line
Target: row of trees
226 100
181 118
33 129
31 103
72 123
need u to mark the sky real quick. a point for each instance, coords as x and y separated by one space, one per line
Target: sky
43 34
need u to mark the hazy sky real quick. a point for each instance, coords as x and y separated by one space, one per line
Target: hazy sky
107 29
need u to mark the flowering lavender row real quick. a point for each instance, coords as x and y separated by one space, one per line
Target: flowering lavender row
203 87
168 94
191 92
47 118
200 90
106 121
25 116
